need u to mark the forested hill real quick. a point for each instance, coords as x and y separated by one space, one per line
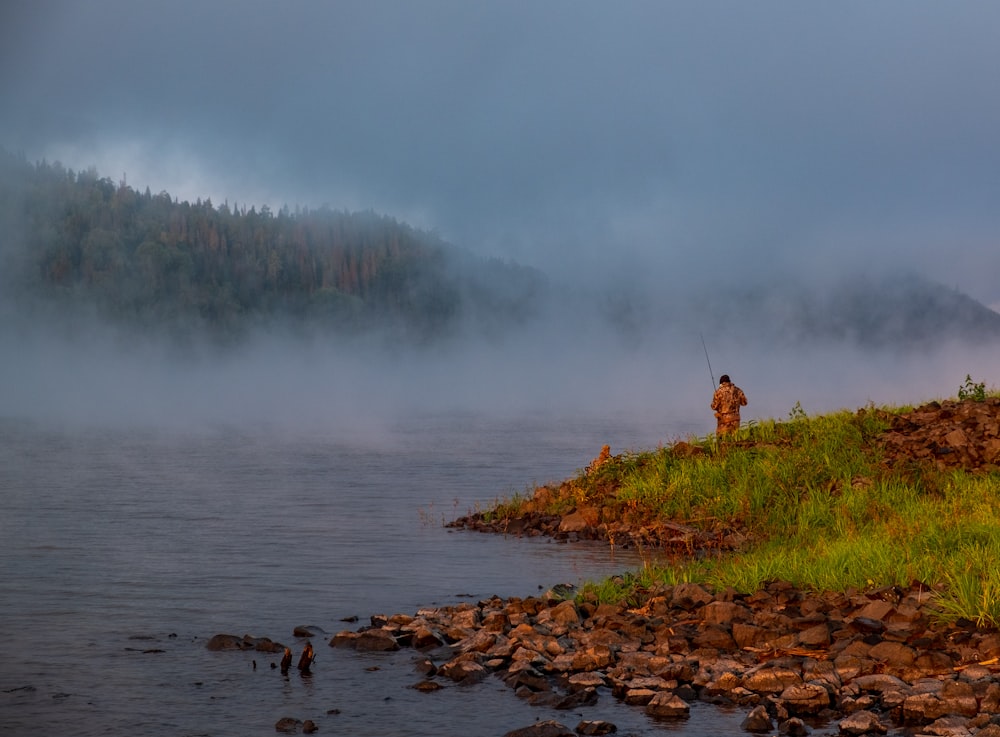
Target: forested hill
75 245
79 240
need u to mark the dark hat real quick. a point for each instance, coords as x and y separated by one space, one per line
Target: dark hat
724 379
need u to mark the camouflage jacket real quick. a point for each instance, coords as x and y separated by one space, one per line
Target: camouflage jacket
728 399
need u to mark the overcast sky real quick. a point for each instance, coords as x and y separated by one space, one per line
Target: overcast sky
793 139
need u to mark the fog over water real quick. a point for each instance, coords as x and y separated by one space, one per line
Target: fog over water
680 149
354 390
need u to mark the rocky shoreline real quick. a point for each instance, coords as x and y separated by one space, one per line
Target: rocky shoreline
858 663
851 663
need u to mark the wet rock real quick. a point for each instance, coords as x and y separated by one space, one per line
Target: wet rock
247 642
225 642
548 728
793 727
564 614
309 727
808 699
861 723
758 720
425 638
666 705
922 708
578 521
950 726
376 640
463 669
596 727
263 644
588 679
880 682
287 725
724 685
638 696
772 680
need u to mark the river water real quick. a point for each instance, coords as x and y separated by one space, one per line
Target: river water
124 549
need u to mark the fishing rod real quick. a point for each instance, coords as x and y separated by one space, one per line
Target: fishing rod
710 372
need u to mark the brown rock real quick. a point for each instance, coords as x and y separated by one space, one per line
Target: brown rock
793 727
576 521
879 682
808 698
749 635
595 728
666 705
758 720
548 728
933 663
564 613
225 642
424 638
959 698
715 636
724 685
580 681
463 670
894 655
375 640
639 696
479 641
949 726
921 708
990 702
689 596
849 667
287 725
816 636
344 639
771 680
262 644
862 722
724 612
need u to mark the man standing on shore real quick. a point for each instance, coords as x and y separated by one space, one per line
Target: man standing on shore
726 402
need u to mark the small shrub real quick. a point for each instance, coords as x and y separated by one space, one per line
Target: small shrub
973 391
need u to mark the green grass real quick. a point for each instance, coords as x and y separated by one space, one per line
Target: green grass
820 508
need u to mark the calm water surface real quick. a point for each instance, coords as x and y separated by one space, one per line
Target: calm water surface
123 550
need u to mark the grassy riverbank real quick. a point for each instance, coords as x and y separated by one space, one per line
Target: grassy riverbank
814 502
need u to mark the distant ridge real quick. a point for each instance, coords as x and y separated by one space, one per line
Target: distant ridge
905 311
76 244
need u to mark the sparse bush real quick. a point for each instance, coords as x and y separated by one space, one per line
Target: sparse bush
973 391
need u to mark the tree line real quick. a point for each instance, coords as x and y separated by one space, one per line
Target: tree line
148 259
